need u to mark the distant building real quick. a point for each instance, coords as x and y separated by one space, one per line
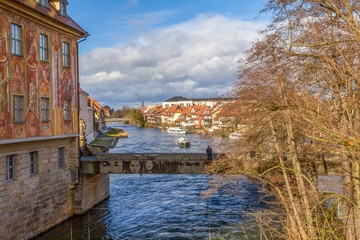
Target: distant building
39 124
87 115
182 101
178 100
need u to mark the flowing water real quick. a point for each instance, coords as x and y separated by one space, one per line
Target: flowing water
165 206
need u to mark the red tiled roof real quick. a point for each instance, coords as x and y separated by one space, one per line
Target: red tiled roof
52 13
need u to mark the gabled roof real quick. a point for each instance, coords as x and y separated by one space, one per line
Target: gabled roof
173 108
217 99
52 13
82 91
177 98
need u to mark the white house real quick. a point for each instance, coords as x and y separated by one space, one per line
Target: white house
87 114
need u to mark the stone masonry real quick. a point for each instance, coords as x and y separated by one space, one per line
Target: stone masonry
32 204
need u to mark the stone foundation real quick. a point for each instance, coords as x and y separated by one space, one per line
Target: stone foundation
30 205
91 190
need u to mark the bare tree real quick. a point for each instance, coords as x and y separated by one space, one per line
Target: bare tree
301 81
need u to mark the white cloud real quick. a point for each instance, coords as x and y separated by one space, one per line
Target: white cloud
194 59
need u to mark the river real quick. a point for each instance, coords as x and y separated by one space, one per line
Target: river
165 206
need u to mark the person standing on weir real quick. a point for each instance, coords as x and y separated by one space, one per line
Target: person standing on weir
209 153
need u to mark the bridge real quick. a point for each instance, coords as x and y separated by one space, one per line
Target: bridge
115 120
146 163
187 163
94 185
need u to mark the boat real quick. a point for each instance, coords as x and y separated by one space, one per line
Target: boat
176 130
235 135
183 142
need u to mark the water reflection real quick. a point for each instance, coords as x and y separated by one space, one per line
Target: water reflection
149 140
164 207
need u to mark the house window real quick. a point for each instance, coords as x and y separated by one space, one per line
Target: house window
45 109
62 9
15 39
44 3
66 55
43 48
10 168
61 157
67 116
18 108
32 163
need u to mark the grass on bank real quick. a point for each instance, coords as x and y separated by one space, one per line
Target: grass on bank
116 132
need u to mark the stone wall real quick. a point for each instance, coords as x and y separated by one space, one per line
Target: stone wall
91 190
30 205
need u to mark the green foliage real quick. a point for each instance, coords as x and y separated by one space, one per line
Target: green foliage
114 132
138 118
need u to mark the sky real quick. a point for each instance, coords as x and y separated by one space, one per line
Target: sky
152 50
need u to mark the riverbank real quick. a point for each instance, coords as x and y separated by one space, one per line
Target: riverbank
201 131
102 144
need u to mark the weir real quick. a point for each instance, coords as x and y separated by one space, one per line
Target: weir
146 163
94 185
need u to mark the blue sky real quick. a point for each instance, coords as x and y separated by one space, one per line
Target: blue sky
151 50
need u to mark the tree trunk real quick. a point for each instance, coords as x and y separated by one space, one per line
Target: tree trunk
293 204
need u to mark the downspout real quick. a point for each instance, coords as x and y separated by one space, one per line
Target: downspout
73 184
78 86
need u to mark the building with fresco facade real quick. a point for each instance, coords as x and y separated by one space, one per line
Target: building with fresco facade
39 124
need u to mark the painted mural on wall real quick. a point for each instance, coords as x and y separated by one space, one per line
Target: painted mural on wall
27 76
5 131
152 167
32 83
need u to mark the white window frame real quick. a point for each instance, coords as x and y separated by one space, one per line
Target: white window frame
43 42
16 39
45 111
62 9
18 108
66 54
67 110
44 3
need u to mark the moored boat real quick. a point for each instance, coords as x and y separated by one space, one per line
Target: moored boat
176 130
183 142
235 135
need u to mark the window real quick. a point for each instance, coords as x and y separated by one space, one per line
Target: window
61 157
15 39
45 109
32 163
63 9
67 116
18 108
66 55
44 3
43 48
10 169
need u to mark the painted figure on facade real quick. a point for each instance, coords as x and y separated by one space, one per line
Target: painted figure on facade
44 73
3 36
33 97
3 93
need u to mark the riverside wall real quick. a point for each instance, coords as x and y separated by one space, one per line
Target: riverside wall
90 191
32 204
